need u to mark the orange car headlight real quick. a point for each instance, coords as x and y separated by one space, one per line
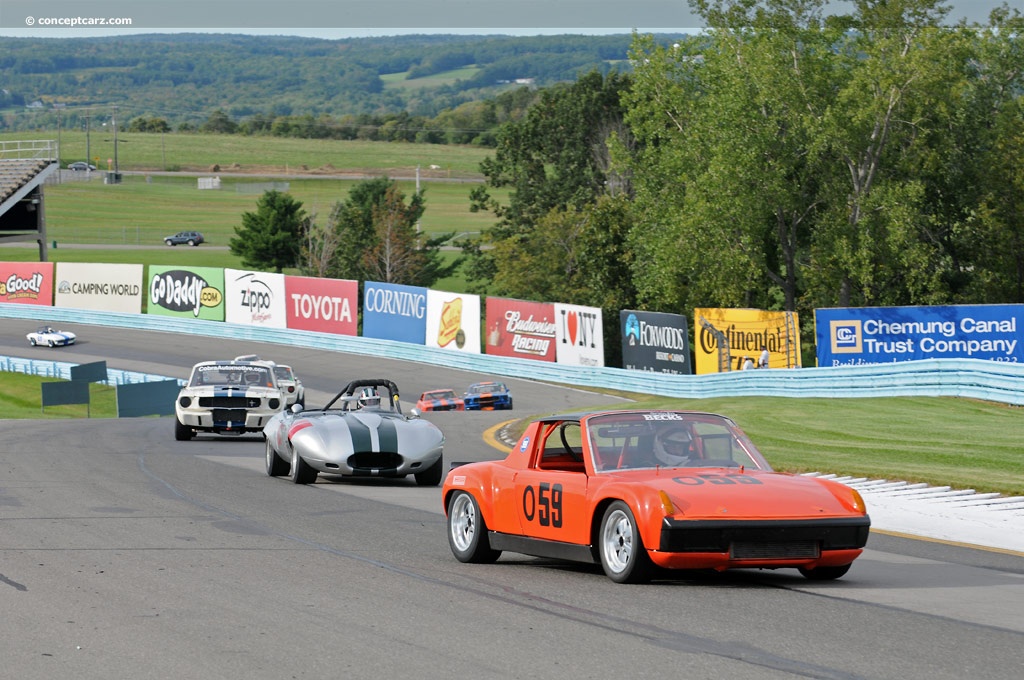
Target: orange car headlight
666 504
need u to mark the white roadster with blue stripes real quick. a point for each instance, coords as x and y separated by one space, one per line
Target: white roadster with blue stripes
227 397
49 336
361 432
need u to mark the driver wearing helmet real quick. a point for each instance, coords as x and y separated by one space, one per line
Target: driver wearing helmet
369 398
673 446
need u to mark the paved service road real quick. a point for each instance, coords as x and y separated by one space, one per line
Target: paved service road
126 554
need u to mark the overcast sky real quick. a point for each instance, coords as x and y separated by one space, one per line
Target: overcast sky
356 18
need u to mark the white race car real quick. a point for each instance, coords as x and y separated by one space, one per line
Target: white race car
291 386
227 397
46 335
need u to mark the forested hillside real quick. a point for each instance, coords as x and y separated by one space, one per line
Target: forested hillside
184 78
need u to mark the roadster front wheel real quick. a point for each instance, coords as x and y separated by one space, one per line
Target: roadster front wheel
276 466
431 476
467 531
622 551
301 473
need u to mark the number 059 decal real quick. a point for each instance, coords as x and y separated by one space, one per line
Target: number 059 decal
544 503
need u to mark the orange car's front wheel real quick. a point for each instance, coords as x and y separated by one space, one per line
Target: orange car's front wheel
622 551
467 531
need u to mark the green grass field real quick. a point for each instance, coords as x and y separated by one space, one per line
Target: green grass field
942 441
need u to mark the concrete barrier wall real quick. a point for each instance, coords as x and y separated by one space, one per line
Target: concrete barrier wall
967 378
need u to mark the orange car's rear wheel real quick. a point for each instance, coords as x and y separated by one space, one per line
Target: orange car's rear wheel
467 531
621 549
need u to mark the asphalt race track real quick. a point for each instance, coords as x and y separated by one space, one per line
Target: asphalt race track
126 554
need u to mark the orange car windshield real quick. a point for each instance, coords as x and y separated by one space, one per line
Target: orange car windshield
666 439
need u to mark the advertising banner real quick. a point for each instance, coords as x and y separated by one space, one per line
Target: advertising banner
254 298
324 305
517 328
26 283
655 342
854 336
748 332
453 321
580 335
394 312
193 292
102 287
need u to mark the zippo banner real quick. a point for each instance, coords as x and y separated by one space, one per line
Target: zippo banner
518 328
748 332
854 336
655 341
195 292
26 283
580 335
324 305
101 287
394 312
453 321
254 298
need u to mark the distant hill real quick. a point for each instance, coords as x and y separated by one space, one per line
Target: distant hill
182 78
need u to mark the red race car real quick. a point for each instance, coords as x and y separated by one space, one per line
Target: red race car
635 490
440 400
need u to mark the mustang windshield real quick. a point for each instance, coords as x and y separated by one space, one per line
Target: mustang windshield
652 439
231 375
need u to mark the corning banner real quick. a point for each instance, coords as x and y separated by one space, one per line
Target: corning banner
102 287
324 305
394 312
655 341
518 328
26 283
852 336
748 332
192 292
453 321
254 298
580 335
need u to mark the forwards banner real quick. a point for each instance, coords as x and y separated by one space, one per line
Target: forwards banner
324 305
518 328
254 298
102 287
580 335
655 342
394 312
854 336
192 292
26 283
748 333
453 321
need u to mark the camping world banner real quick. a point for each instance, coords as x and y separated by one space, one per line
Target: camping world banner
852 336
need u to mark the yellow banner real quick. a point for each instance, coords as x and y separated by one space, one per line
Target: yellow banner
748 333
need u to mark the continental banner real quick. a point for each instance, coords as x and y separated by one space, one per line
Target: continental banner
748 332
655 341
26 283
854 336
453 321
191 292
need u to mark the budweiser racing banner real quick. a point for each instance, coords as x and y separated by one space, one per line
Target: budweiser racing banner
739 334
324 305
453 321
101 287
254 298
655 341
26 283
854 336
580 335
191 292
518 328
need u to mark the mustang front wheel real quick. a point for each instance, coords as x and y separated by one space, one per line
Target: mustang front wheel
467 532
276 466
622 551
182 433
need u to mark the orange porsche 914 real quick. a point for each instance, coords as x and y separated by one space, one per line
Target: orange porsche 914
637 490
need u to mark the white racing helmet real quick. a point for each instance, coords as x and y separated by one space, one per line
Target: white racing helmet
672 446
368 396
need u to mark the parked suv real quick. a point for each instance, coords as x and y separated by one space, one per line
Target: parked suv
192 238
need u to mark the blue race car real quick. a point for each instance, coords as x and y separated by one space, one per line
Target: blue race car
487 396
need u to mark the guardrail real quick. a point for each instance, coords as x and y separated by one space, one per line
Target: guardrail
62 370
966 378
